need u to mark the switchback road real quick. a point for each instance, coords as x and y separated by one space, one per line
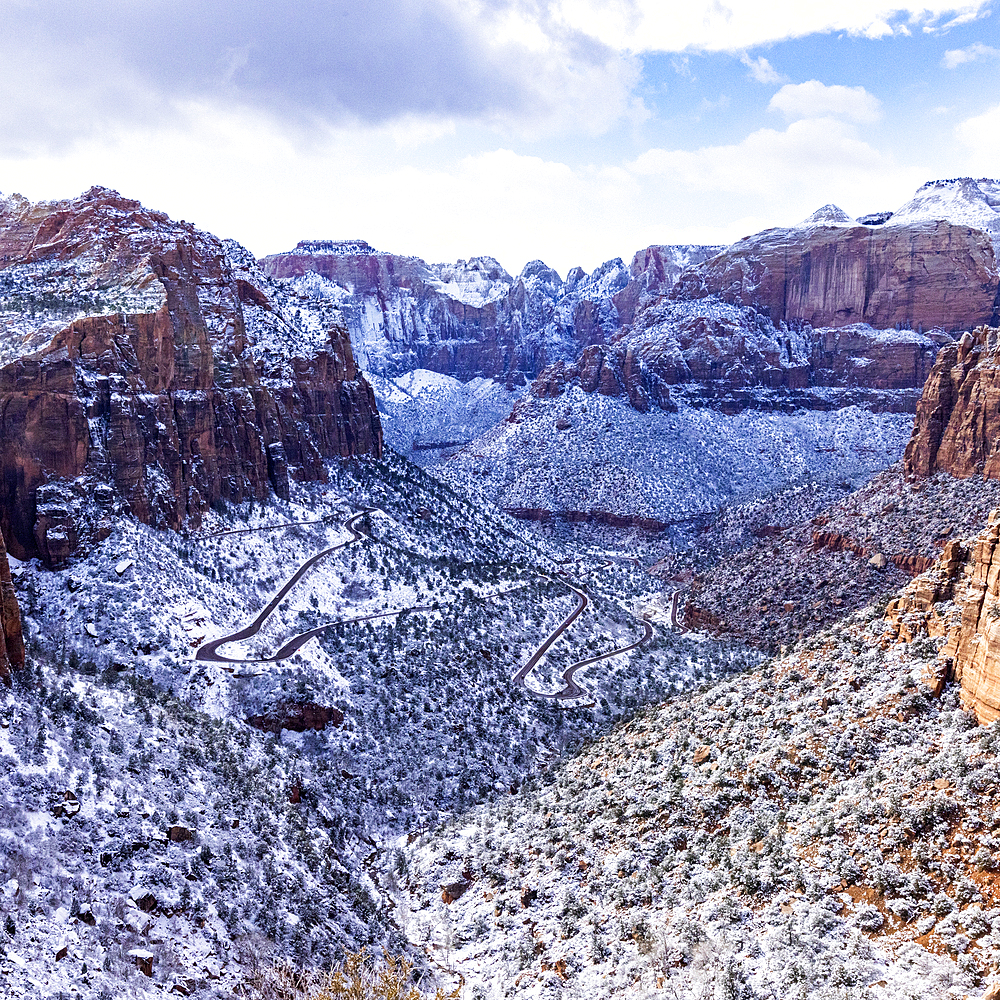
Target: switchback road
209 651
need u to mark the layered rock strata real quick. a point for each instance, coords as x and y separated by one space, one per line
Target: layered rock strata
11 640
957 429
958 600
929 273
191 385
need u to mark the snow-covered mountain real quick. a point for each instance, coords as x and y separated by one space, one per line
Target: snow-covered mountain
470 319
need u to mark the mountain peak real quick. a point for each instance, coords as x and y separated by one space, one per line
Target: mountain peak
828 215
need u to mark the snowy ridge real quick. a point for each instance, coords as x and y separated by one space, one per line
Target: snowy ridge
425 414
474 282
963 201
596 453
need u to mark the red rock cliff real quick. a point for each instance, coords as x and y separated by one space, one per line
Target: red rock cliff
959 600
190 386
11 642
957 428
929 274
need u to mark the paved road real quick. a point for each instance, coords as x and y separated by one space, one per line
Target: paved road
572 689
674 607
210 650
247 531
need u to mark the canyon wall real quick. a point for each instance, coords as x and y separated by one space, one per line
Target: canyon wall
197 388
957 429
959 600
472 318
928 273
11 641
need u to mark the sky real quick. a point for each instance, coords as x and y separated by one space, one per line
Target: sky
571 131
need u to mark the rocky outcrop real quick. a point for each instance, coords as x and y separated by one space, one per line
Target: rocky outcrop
611 372
542 516
928 273
834 541
198 388
957 428
958 600
653 273
733 358
11 640
297 717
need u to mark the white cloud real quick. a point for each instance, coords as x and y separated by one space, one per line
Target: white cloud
813 99
357 182
69 72
981 136
956 57
815 153
710 25
761 70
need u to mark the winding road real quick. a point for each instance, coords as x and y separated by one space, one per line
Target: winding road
209 651
572 689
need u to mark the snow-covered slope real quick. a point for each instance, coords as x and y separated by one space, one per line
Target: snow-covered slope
963 201
595 453
426 413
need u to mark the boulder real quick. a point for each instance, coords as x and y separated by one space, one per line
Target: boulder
297 716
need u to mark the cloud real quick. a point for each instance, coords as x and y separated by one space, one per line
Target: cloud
809 153
981 136
761 70
814 99
71 70
956 57
735 25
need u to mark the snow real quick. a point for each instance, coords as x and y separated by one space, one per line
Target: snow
667 466
426 414
963 201
830 216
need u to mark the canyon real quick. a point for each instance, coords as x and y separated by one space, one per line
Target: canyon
190 436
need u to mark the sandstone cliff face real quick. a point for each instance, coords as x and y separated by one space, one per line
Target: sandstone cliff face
959 600
957 429
11 641
197 388
930 273
654 272
733 358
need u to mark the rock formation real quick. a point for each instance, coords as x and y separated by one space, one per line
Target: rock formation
11 641
957 429
146 367
928 273
472 318
466 319
611 372
959 600
775 321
